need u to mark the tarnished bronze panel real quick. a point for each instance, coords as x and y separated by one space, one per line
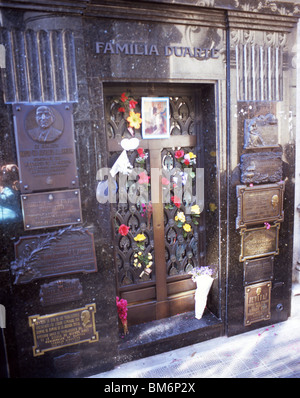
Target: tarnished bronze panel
259 204
45 147
257 302
262 167
62 252
63 329
51 209
258 270
60 291
261 131
259 242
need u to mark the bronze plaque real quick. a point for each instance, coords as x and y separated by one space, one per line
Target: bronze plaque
258 270
259 204
45 147
62 252
261 132
257 303
262 167
63 329
60 291
51 209
259 242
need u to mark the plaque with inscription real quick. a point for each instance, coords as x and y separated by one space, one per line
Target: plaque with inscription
257 302
63 329
262 167
62 252
261 132
259 204
45 147
258 270
259 242
60 291
51 209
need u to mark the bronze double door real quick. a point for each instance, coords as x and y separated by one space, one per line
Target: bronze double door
167 289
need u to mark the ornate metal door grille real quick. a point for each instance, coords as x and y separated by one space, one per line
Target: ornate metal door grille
168 289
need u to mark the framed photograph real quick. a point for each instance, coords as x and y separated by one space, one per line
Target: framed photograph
156 117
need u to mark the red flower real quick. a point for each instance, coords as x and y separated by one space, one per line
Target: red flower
165 181
121 109
186 161
179 154
141 152
144 179
132 104
122 309
176 201
124 97
123 229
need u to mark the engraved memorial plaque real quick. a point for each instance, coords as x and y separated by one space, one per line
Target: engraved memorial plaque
261 132
259 204
62 252
45 147
262 167
259 242
257 303
258 270
63 329
51 209
60 291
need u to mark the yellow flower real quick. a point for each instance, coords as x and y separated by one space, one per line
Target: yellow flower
139 265
192 155
140 238
149 256
212 207
135 260
149 264
140 253
195 209
187 227
134 120
180 217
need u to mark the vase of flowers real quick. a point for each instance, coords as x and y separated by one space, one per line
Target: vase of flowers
203 278
122 312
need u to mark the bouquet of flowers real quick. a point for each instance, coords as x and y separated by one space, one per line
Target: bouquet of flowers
200 271
122 312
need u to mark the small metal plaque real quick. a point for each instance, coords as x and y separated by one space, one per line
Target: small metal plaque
63 329
258 270
261 132
259 204
259 242
45 147
66 251
257 302
261 168
51 209
60 291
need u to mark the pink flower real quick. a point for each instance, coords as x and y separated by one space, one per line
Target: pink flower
268 226
179 154
165 181
144 179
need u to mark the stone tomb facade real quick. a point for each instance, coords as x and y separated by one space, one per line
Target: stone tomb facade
140 141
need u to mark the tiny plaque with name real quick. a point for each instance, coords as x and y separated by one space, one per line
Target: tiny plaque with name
259 242
259 204
51 209
63 329
257 302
